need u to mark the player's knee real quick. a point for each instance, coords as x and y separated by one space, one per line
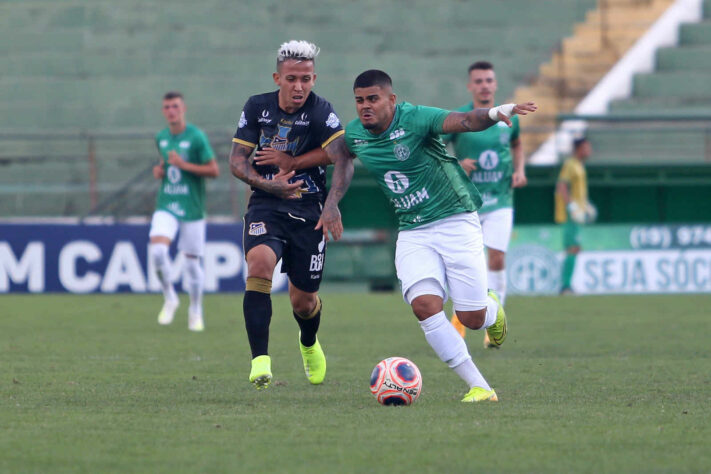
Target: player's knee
425 306
305 305
496 260
472 319
260 269
193 267
159 253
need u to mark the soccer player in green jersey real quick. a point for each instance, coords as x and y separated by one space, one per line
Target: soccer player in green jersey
572 208
439 247
493 159
186 159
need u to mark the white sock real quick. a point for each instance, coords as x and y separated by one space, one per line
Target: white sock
497 282
196 282
161 259
492 307
451 349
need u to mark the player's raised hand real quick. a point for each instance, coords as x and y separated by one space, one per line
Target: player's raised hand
330 220
468 165
525 108
280 185
175 159
270 156
159 170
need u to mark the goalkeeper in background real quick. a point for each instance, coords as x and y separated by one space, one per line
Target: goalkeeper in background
572 207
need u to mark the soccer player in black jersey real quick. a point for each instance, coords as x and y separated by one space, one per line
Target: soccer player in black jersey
296 134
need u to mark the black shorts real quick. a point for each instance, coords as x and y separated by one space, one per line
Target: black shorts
293 239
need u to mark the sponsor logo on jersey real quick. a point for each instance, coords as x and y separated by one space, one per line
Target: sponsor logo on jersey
409 200
264 118
302 120
396 182
175 208
488 160
163 143
257 228
359 141
242 120
399 133
489 199
184 144
402 152
173 174
332 120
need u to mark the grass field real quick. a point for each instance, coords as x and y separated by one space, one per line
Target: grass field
586 384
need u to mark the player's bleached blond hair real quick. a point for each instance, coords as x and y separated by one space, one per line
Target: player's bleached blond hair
298 50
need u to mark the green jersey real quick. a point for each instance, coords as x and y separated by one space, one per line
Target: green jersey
491 149
412 167
182 193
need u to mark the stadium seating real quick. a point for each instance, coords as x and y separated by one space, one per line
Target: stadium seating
72 68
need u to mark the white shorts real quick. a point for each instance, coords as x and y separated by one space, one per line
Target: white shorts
448 253
192 233
496 226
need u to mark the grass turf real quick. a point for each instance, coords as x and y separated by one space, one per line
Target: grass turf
586 384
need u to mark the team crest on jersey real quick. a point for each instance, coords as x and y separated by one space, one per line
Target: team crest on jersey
332 120
163 143
280 141
402 152
242 120
257 228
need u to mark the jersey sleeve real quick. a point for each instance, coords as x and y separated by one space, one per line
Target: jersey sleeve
428 119
565 173
327 126
205 152
247 132
515 129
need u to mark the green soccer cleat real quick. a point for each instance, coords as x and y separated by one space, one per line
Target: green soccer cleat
497 331
479 394
261 374
314 362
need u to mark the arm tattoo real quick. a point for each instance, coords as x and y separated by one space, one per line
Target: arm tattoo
473 121
240 165
342 171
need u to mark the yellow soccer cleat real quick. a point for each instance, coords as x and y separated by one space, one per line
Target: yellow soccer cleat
261 374
479 394
167 312
461 328
314 362
497 331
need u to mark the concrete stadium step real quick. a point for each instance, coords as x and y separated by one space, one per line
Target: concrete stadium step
695 33
672 84
644 145
661 106
689 58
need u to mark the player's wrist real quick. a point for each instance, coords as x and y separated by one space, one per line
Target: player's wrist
505 110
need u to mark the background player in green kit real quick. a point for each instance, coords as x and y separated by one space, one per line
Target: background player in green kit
439 242
494 161
186 159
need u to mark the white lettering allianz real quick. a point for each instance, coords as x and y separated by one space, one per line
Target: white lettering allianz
28 268
123 268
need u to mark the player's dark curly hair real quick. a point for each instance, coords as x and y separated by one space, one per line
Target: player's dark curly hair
372 77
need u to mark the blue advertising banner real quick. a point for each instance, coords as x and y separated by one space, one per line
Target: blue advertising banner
101 258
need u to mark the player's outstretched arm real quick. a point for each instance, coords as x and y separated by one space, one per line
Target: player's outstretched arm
242 169
481 119
342 158
285 162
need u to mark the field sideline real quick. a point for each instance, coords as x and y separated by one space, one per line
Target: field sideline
586 384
